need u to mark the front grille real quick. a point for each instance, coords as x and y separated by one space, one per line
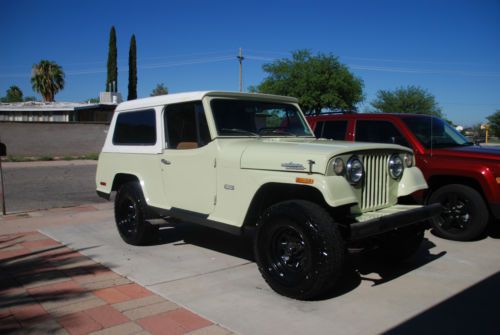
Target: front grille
375 191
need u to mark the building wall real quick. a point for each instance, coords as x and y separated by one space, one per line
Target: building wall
52 138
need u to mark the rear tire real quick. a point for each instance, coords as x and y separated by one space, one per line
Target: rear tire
298 249
131 215
464 216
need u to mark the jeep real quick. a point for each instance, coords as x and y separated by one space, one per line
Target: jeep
463 177
250 162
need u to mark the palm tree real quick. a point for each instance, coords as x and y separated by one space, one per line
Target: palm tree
47 78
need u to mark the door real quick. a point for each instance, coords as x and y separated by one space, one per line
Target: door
188 160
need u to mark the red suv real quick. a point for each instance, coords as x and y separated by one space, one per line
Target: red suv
463 177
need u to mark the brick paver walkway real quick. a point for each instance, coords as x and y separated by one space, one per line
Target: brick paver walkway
48 288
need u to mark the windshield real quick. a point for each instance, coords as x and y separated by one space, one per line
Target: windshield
433 132
257 118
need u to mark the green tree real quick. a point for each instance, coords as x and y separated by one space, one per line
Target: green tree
320 82
160 89
93 100
47 78
411 99
112 77
132 70
13 94
494 120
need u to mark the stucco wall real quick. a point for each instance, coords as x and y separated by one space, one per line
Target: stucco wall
52 139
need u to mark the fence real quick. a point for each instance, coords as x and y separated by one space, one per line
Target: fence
52 138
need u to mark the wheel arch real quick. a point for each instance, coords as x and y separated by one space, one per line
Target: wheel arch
123 178
438 181
272 193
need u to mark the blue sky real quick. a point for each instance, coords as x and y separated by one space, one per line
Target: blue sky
450 48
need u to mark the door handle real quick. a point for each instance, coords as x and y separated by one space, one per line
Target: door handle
164 161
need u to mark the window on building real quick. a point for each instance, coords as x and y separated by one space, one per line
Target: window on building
379 132
135 128
186 126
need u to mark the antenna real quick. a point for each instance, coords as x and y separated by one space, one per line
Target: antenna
240 59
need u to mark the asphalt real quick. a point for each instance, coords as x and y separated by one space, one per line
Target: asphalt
449 287
41 185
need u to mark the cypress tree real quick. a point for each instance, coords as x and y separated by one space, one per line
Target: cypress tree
112 63
132 70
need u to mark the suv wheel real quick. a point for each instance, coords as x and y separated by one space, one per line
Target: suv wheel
399 246
130 216
464 216
299 249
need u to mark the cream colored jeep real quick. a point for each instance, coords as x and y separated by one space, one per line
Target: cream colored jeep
240 162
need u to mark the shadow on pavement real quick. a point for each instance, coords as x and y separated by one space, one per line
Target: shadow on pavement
472 311
46 277
366 265
189 233
359 266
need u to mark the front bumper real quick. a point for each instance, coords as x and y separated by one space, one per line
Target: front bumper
388 222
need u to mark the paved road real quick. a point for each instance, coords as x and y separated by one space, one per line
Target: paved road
41 185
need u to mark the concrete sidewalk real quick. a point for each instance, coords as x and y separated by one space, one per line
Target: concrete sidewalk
48 288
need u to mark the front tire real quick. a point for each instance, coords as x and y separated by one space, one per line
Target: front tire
464 216
298 249
131 215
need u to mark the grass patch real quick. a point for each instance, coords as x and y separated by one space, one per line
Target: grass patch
13 158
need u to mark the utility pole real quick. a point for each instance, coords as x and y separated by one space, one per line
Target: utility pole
240 59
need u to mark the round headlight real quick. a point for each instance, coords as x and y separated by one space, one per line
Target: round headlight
396 166
338 166
355 171
408 158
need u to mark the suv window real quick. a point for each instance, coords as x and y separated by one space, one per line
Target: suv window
135 128
379 132
186 126
257 118
334 130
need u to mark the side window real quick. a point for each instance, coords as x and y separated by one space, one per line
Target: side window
186 126
379 132
335 130
135 128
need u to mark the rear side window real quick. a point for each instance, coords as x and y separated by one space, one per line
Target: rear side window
379 132
334 130
135 128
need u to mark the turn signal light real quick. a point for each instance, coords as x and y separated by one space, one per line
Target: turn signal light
307 181
102 183
498 180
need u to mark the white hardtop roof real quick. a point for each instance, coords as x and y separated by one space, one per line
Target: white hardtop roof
193 96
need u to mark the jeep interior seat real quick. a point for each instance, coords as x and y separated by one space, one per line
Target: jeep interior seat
187 145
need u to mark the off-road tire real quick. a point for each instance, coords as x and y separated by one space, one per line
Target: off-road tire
464 216
400 246
131 215
299 249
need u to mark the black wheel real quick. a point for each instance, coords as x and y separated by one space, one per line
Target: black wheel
130 216
399 246
464 216
299 249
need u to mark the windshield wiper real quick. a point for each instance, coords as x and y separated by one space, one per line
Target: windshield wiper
240 131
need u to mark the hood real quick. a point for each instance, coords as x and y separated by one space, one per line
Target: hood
470 152
295 154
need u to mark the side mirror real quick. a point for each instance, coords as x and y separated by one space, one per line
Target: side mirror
3 149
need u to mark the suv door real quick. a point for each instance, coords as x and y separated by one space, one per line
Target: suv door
188 159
